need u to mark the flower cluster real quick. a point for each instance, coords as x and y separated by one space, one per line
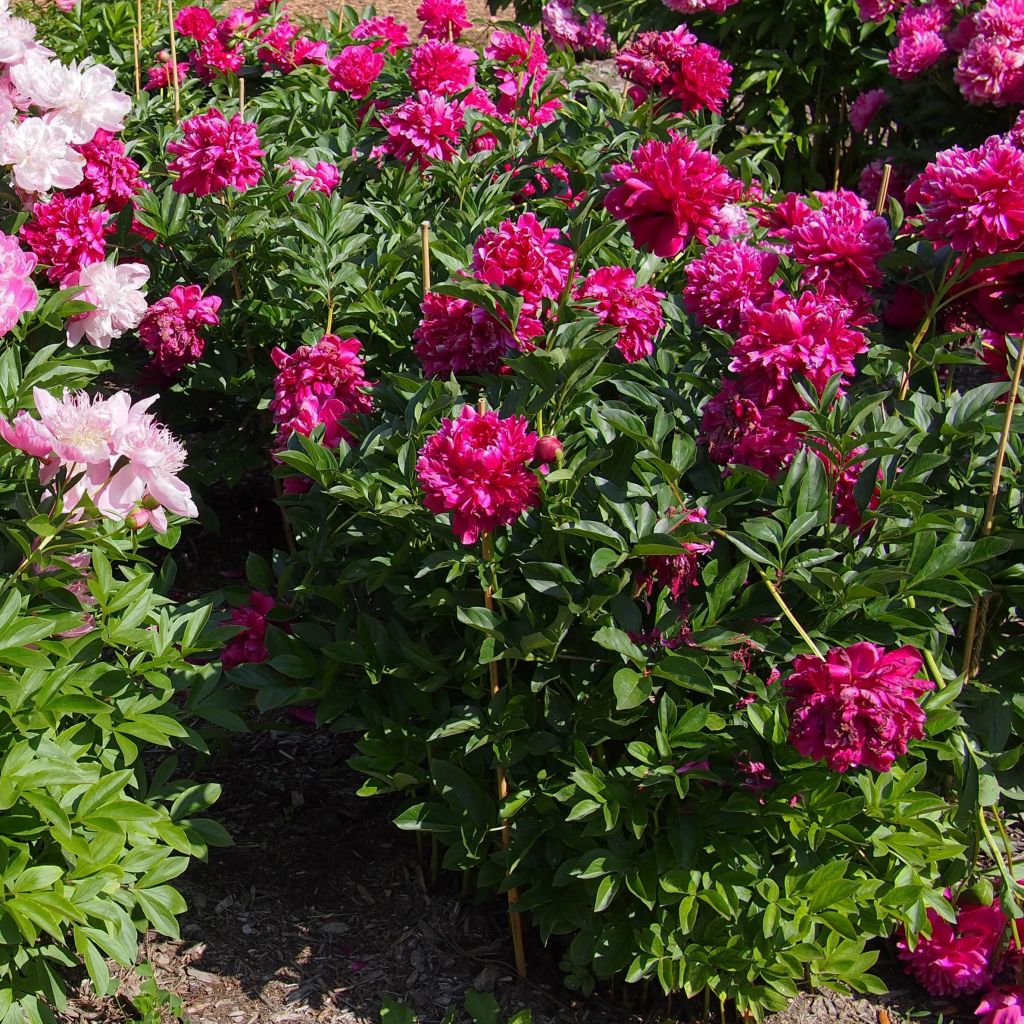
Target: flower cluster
857 706
454 336
675 67
319 384
569 30
170 330
113 454
477 468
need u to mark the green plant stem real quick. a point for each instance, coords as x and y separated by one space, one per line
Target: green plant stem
1006 872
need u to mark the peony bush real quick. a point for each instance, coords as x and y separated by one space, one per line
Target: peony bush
646 456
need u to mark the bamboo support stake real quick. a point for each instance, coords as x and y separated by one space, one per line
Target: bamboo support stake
174 61
138 20
514 920
136 46
425 247
883 189
241 99
970 640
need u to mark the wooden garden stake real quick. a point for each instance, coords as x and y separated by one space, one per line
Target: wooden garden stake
425 247
514 920
241 99
136 46
970 641
174 61
883 189
138 20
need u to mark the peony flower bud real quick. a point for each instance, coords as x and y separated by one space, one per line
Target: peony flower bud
549 449
137 519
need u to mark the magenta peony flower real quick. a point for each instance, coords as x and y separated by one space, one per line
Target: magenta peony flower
675 66
594 37
858 706
562 24
111 176
727 278
701 81
195 23
249 646
521 78
844 476
170 330
865 108
17 292
214 60
476 467
674 573
621 302
159 76
870 184
324 177
443 19
841 243
422 130
916 53
670 193
67 234
383 32
355 70
215 154
991 64
958 959
648 61
526 257
454 336
699 6
973 199
441 67
1002 1005
319 384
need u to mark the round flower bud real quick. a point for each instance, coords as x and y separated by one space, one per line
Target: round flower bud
137 519
549 449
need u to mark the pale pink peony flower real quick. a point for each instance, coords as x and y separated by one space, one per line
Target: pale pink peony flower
973 199
858 706
355 70
620 302
865 108
443 19
171 328
672 192
442 67
454 336
27 434
249 646
323 177
216 154
727 278
1002 1005
422 130
40 156
79 97
957 959
384 32
118 293
67 234
18 39
17 292
477 468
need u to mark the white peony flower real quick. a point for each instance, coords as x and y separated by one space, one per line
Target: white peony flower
118 293
40 155
17 39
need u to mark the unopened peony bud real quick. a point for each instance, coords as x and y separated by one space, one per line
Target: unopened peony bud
137 519
549 449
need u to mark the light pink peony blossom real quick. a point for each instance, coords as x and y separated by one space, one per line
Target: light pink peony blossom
40 156
17 292
118 293
477 468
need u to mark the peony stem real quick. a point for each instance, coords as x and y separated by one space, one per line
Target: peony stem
1006 872
988 524
914 345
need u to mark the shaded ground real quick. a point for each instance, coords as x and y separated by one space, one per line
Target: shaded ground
321 909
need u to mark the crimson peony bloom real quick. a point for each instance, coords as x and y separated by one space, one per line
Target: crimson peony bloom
454 336
670 193
476 467
423 129
858 706
621 302
384 32
726 279
111 176
865 108
841 243
67 234
526 257
170 330
878 10
249 646
195 23
213 59
355 70
973 199
443 19
870 184
958 959
319 384
674 573
1002 1005
215 154
442 67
